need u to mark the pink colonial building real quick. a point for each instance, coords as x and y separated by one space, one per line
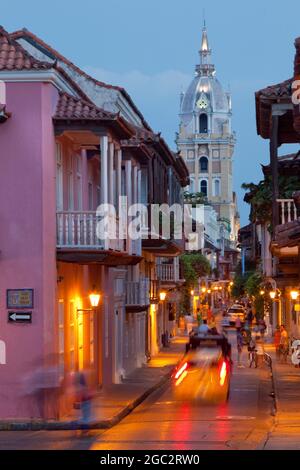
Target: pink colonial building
67 144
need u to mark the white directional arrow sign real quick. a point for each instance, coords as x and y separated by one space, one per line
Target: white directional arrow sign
21 317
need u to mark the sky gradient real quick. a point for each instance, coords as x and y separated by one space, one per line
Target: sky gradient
151 48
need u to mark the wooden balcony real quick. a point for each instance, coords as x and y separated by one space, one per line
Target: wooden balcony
168 273
287 211
137 295
77 241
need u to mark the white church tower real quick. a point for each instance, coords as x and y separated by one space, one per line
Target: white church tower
206 140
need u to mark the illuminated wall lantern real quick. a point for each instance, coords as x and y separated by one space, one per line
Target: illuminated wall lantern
94 299
262 292
203 290
192 292
273 294
294 294
162 296
209 291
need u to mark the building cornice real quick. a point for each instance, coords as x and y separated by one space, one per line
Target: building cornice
45 76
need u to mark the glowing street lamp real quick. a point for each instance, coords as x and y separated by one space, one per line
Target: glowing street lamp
192 292
203 290
162 296
94 299
273 294
294 294
209 291
262 292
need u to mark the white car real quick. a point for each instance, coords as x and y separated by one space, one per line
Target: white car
234 312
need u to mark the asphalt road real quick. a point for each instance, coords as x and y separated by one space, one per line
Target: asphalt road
162 422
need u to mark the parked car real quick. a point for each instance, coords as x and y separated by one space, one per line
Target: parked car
236 311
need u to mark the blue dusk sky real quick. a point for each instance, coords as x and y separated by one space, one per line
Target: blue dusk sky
151 48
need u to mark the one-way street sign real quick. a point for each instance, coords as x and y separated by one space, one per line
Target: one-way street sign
19 317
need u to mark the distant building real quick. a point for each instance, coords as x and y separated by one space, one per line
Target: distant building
206 140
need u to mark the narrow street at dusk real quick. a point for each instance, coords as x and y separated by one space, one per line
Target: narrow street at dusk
162 422
149 231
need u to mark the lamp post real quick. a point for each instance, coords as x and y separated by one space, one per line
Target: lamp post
275 295
162 298
294 296
94 298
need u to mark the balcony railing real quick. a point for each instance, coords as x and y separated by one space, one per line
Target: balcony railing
287 211
167 272
78 229
138 293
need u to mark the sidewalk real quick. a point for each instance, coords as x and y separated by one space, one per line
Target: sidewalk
116 401
285 434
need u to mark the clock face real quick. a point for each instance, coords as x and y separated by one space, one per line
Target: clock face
202 103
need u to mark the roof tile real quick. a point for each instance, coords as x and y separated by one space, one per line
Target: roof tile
69 107
14 57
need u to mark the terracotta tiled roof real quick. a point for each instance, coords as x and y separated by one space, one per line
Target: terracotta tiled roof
14 57
69 107
75 109
280 90
24 33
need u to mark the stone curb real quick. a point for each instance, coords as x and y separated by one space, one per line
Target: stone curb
40 425
274 386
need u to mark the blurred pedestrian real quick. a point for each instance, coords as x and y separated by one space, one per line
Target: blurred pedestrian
249 317
239 340
189 320
252 352
277 336
284 343
203 329
83 397
199 316
262 327
238 324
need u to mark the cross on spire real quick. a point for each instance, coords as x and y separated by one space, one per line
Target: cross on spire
205 67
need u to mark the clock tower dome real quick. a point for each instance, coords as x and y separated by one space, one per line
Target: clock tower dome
206 140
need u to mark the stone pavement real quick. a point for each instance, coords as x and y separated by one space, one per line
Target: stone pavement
285 434
116 401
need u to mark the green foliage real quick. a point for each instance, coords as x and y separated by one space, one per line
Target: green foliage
195 198
253 284
259 196
259 306
194 266
239 284
250 284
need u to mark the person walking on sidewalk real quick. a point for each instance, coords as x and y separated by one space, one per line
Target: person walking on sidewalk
238 325
239 341
199 317
284 343
277 336
252 352
83 396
